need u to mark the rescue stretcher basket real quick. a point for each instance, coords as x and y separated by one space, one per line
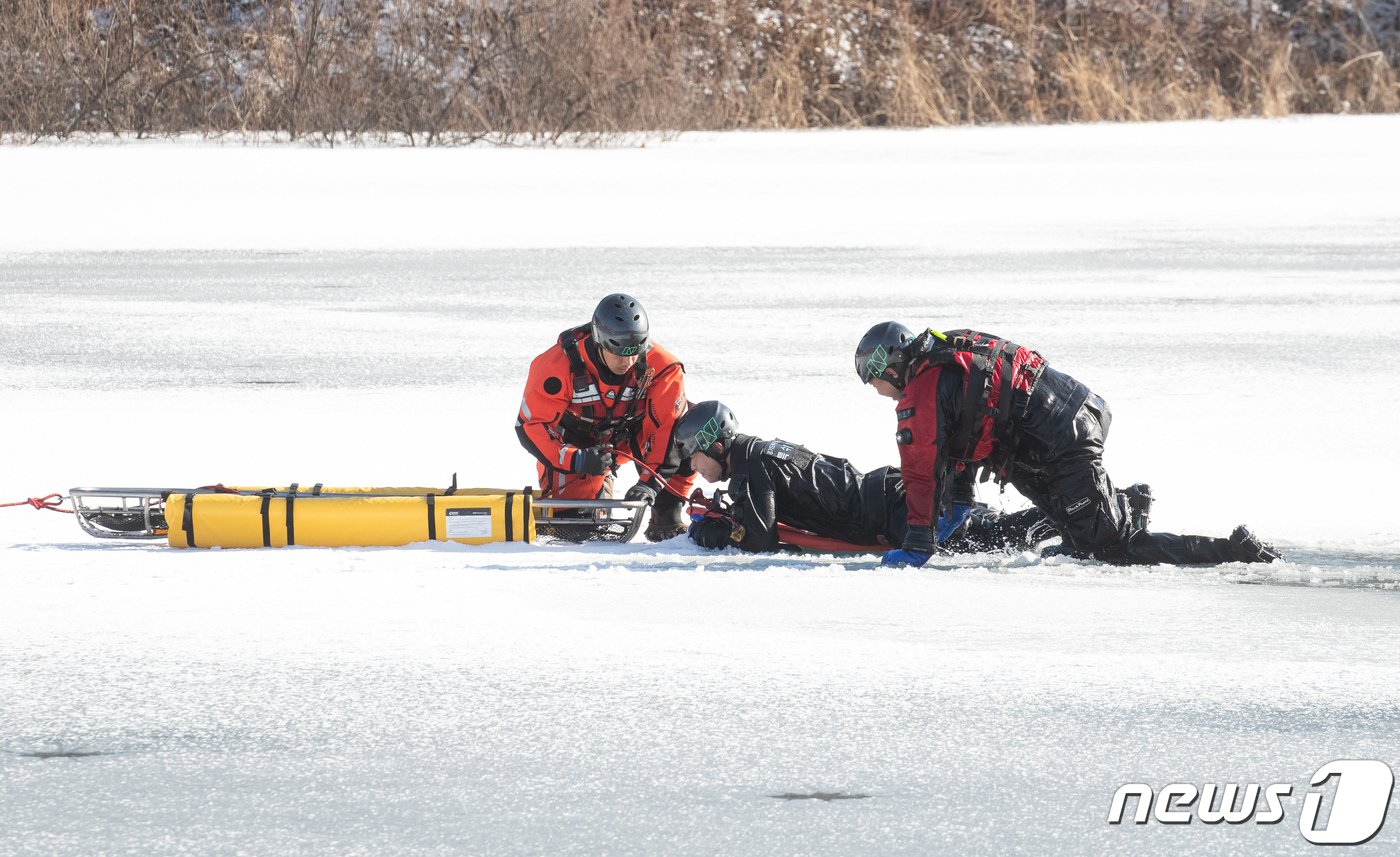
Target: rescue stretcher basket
219 516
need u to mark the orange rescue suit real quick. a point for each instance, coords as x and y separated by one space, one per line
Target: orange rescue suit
574 403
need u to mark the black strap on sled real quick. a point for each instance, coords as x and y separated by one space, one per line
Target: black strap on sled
187 520
432 515
525 512
266 524
510 516
291 498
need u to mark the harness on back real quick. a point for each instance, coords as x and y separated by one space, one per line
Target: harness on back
985 355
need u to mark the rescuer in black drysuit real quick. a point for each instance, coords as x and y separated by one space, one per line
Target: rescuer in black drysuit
772 481
970 401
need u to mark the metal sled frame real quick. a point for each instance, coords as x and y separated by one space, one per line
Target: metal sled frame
139 513
596 521
123 513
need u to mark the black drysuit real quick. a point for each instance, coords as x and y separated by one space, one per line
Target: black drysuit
772 481
1056 461
1095 519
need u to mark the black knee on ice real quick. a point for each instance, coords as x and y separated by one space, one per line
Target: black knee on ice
668 517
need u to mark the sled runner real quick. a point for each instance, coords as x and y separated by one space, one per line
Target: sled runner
220 516
805 541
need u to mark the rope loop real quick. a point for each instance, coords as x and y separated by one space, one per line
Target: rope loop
52 502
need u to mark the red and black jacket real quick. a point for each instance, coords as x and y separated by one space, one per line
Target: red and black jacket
970 400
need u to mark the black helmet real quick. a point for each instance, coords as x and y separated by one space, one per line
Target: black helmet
708 427
887 344
620 325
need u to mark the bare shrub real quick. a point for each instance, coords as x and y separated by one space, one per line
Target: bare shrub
540 71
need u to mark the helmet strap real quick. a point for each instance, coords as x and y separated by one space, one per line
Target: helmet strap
898 381
722 456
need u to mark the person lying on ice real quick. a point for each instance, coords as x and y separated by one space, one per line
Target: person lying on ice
773 481
603 394
971 401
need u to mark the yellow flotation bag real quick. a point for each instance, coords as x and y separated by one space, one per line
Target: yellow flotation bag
346 517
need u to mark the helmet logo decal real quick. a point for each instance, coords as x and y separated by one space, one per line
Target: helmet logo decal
876 365
707 435
625 350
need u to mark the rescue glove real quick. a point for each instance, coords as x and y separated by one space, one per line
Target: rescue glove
711 531
952 519
644 491
918 547
594 461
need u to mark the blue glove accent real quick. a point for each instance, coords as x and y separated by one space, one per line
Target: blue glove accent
951 520
902 557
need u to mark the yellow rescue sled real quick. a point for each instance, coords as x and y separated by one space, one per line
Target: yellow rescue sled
250 517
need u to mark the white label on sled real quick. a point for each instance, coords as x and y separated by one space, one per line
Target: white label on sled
469 523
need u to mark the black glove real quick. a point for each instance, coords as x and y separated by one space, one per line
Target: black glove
919 540
595 461
644 491
711 532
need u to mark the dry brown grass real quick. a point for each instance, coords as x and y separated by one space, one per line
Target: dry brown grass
442 71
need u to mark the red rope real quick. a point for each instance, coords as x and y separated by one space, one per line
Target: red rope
641 468
52 502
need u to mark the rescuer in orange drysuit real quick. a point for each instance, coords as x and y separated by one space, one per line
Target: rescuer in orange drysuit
602 395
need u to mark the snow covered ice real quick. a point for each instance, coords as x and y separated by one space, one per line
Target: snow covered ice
183 314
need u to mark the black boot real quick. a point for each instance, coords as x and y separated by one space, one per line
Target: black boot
1140 505
1247 547
668 518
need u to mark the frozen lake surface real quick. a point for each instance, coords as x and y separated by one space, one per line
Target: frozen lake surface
1232 289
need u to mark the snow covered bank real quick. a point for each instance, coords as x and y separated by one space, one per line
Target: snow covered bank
991 189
